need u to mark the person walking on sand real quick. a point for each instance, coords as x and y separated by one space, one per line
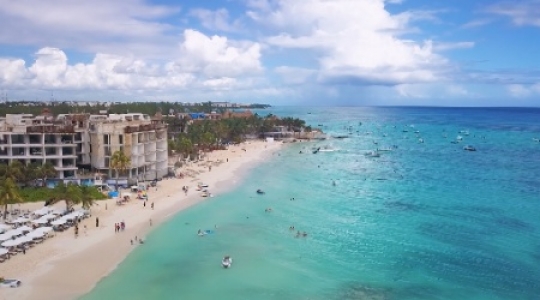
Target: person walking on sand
152 205
97 222
150 222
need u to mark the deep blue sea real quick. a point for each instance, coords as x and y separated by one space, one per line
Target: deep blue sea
426 220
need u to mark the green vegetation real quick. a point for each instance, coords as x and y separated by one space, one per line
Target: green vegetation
119 162
207 135
27 107
18 184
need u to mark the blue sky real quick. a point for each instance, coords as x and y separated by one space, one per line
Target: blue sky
301 52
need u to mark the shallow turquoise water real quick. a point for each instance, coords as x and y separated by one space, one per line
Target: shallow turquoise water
425 221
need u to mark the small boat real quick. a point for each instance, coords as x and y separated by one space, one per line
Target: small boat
226 262
469 148
260 192
372 154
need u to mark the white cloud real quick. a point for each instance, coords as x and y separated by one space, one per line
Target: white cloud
89 26
452 46
522 90
216 56
213 62
215 20
356 41
521 13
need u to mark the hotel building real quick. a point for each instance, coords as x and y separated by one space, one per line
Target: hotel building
82 141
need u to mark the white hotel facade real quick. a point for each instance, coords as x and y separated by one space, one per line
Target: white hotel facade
82 141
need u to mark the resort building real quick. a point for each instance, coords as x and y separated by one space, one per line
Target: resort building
73 142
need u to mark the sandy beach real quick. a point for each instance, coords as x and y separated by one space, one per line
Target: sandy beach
66 267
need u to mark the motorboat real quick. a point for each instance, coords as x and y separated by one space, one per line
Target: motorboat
226 262
469 148
260 192
372 154
326 148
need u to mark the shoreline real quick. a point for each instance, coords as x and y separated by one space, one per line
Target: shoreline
65 267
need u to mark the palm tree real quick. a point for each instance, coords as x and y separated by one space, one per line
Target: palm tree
71 194
86 197
120 163
45 171
9 194
14 171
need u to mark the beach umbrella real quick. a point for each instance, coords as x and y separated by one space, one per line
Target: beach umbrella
24 229
5 237
58 211
42 211
35 234
59 222
21 220
4 226
24 239
71 216
13 232
11 243
3 251
48 217
40 221
43 229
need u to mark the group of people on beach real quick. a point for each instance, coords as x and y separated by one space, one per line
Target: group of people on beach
119 226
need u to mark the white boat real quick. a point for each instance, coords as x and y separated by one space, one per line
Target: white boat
372 154
326 148
226 262
469 148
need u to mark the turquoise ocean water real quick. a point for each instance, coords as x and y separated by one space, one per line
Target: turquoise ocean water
423 221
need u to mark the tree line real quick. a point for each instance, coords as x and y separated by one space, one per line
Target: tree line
150 108
187 140
21 183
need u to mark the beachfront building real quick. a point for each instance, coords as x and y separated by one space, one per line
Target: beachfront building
73 142
39 139
143 139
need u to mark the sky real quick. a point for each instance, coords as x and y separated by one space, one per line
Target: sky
281 52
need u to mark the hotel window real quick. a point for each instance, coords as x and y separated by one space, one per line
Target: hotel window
106 139
121 139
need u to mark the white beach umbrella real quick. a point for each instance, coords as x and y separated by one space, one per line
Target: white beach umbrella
43 229
4 226
24 229
13 232
42 211
58 211
3 251
24 239
5 237
21 220
71 216
35 234
59 222
48 217
11 243
40 221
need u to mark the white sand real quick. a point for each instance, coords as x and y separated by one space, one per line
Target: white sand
65 267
